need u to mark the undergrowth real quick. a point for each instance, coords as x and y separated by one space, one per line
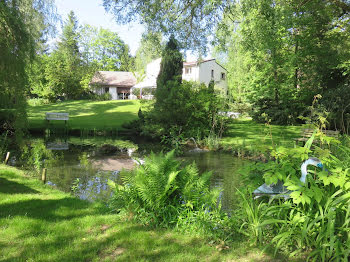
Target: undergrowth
315 219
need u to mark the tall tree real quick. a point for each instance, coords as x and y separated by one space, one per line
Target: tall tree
282 53
182 109
170 71
64 69
150 49
23 25
105 48
170 66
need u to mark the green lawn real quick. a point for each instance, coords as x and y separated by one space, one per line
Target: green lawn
85 114
249 134
102 115
39 223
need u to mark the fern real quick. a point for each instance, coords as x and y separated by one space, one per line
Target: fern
161 189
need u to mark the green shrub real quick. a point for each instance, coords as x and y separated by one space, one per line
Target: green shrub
316 218
38 101
189 110
158 191
103 97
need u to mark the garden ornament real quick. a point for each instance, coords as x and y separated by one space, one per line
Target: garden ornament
279 189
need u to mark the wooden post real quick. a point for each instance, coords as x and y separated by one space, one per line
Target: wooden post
7 158
43 176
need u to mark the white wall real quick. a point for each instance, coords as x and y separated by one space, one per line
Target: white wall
112 91
200 73
205 74
153 68
193 75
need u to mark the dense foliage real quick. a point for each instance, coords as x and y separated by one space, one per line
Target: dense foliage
158 191
67 70
279 54
315 219
150 49
191 22
288 52
23 25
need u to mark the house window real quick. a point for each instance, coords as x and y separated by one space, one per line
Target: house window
223 76
188 70
212 73
106 89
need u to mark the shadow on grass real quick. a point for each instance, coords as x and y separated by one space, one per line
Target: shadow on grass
11 187
128 243
50 210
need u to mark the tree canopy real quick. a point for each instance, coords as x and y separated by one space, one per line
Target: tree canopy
24 25
190 21
78 54
150 48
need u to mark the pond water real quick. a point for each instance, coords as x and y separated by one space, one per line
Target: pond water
84 166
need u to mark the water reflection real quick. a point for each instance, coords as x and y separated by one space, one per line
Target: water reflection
84 166
225 177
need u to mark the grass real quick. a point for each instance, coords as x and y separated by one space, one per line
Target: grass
40 223
248 134
85 114
104 115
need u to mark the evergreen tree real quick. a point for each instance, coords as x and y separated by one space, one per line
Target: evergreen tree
170 70
171 64
64 69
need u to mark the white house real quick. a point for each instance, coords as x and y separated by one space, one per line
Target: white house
121 85
116 83
202 71
205 71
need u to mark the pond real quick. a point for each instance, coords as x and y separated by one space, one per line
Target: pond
84 165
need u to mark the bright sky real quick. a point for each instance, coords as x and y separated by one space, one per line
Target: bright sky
92 12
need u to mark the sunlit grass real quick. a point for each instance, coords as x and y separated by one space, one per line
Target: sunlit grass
85 114
39 223
249 134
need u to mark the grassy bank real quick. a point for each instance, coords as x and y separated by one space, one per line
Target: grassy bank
85 114
245 133
39 223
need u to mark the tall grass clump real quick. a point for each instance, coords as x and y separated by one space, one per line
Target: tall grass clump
315 220
162 193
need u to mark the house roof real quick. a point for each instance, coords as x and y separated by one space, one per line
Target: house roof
195 63
113 78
